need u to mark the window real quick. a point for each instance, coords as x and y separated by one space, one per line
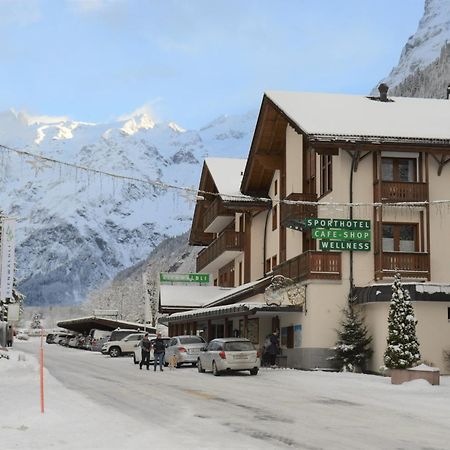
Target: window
267 265
241 223
448 313
399 169
400 237
274 218
326 174
274 261
275 188
240 273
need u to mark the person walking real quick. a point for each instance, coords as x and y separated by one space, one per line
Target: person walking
159 349
145 352
273 348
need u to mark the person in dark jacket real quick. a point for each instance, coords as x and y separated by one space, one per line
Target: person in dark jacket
145 352
159 349
273 348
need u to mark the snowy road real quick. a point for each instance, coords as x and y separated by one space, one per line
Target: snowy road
276 409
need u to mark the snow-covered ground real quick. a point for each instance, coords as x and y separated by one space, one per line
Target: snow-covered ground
276 409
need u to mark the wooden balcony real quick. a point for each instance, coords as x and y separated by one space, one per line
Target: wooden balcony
292 215
198 238
390 192
312 265
409 265
217 217
221 251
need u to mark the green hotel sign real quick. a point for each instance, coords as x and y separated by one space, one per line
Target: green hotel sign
170 277
340 234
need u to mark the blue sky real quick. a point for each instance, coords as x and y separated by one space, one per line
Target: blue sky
193 60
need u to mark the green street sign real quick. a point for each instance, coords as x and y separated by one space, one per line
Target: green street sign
338 246
345 224
169 277
341 235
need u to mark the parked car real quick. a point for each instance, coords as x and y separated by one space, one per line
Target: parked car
119 333
73 341
137 348
185 349
50 338
22 335
122 347
59 337
64 341
98 338
229 354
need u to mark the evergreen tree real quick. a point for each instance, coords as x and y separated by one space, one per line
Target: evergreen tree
36 321
352 350
402 349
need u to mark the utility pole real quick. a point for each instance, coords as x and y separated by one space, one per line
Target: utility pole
146 299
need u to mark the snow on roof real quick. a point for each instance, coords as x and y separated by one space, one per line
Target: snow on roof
229 308
227 174
199 296
433 288
235 290
425 368
357 115
188 296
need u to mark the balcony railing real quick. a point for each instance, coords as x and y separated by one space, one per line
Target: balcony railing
200 238
401 192
292 215
215 210
409 265
312 265
229 240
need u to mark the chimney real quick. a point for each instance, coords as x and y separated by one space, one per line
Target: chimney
448 92
383 89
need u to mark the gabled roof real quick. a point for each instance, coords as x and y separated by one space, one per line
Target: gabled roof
338 119
319 114
227 175
221 176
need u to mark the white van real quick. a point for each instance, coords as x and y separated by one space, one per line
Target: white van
97 338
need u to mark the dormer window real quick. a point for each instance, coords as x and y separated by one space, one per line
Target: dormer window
399 169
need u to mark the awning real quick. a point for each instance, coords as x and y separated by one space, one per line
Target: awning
237 309
85 324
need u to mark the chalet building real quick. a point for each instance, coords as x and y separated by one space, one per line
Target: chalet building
339 192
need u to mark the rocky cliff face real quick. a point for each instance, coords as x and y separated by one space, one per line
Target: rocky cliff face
424 51
430 82
77 229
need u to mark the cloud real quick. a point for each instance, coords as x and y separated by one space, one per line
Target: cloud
42 119
145 109
87 6
20 12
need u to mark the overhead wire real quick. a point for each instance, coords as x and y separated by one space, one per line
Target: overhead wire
199 192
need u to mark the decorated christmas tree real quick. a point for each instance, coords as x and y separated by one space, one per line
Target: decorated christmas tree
352 349
402 349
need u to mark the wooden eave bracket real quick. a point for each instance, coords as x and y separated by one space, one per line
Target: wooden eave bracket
356 156
442 162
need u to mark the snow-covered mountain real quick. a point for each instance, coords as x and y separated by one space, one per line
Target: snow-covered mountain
424 47
77 229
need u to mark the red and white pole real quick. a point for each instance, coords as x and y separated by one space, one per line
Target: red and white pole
42 370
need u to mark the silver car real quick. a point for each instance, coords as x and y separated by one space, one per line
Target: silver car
185 349
229 354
